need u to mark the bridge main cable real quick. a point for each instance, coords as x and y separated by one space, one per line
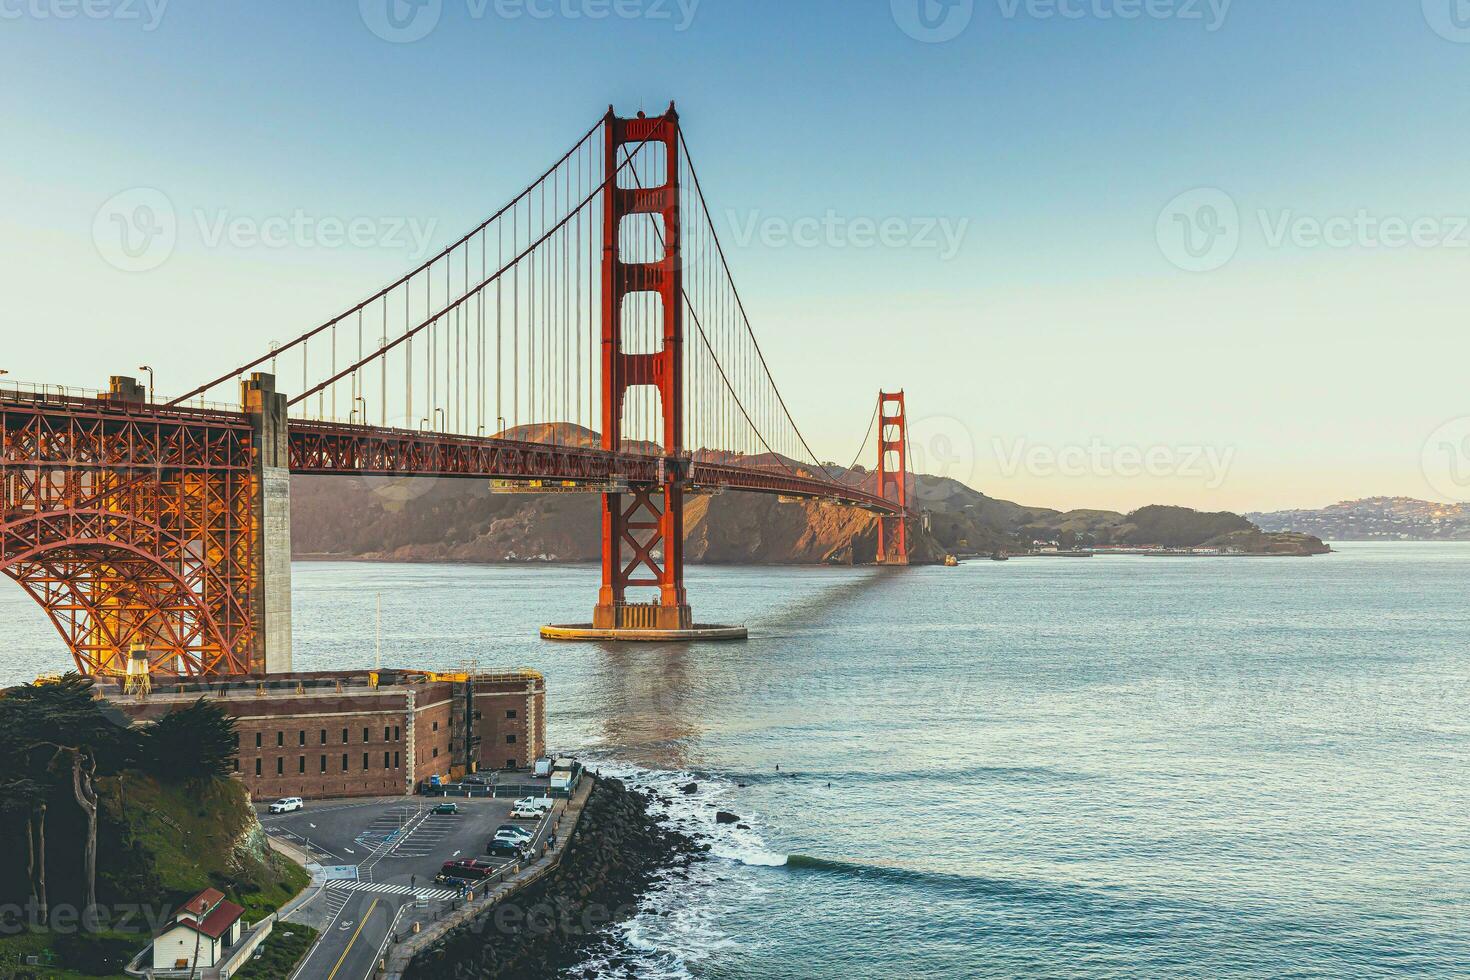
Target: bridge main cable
407 277
456 304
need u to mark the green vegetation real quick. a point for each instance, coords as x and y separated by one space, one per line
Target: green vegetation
195 743
90 955
193 837
106 816
279 954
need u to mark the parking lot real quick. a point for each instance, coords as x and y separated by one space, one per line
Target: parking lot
378 859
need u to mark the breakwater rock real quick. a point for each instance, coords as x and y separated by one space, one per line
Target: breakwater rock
617 852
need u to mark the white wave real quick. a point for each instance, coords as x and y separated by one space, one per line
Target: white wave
677 922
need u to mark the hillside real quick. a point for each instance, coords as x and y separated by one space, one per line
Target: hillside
396 519
1375 519
169 822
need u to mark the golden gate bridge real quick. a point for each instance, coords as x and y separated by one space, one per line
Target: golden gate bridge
587 336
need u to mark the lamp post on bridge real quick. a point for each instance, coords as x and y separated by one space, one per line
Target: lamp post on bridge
144 367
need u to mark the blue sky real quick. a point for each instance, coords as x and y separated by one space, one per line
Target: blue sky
1053 136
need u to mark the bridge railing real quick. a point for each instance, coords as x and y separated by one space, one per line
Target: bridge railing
27 391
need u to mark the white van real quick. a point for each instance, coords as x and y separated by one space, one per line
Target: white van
543 767
538 803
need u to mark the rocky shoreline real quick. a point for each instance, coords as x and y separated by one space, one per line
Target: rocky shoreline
618 850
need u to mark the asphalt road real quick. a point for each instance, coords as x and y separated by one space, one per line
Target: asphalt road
385 853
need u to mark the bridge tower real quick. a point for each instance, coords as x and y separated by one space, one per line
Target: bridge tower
893 441
643 530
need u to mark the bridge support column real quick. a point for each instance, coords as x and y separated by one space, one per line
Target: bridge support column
893 478
643 530
271 514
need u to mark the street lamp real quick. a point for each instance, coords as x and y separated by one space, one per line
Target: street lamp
144 367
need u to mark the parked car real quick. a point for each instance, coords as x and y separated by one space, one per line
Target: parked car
466 869
445 808
513 830
505 847
526 813
287 804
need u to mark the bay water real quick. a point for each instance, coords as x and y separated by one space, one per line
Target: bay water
1118 766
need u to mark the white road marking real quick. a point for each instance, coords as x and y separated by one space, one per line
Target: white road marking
433 894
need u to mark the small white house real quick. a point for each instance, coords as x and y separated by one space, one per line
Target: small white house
203 930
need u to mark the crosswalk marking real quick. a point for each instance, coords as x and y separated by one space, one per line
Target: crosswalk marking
432 894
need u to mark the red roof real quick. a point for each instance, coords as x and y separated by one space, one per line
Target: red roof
218 922
201 904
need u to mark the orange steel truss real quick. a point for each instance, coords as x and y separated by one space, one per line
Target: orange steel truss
129 523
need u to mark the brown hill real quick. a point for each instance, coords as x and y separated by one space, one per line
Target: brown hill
415 519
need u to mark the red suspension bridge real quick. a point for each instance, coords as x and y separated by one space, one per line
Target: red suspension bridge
587 336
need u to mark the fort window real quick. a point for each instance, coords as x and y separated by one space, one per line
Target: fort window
395 760
396 733
280 738
324 763
344 736
365 737
237 763
364 761
257 740
324 736
344 761
257 765
436 751
510 712
385 760
436 726
387 734
510 739
510 763
301 764
280 765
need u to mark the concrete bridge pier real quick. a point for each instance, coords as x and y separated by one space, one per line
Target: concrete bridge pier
271 516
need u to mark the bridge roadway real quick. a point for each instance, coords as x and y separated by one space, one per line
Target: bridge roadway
72 431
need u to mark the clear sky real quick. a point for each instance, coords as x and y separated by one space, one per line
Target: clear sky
1151 250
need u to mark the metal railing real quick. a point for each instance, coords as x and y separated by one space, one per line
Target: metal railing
49 394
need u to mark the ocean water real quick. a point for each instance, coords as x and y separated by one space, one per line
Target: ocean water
1103 768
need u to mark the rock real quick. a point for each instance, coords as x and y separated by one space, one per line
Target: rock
688 788
617 852
742 826
725 816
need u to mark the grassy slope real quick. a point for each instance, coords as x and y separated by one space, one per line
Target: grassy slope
159 844
191 836
279 954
